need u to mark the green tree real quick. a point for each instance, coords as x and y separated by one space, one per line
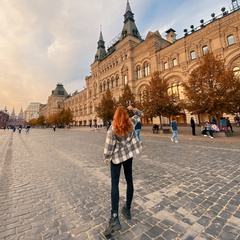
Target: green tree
212 89
106 108
158 101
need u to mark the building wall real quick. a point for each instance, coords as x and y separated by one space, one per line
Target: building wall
127 64
32 110
3 119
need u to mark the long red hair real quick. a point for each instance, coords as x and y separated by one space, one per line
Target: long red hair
122 124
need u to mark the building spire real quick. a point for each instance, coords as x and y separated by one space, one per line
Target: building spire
129 27
101 51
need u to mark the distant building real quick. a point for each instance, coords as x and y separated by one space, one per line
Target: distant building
4 116
55 101
16 120
32 111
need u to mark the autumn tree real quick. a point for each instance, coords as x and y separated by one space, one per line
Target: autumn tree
33 122
53 119
212 89
41 120
106 108
158 101
127 97
65 117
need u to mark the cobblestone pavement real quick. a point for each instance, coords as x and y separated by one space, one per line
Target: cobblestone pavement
53 185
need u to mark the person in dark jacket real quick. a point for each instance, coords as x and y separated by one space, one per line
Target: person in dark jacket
193 126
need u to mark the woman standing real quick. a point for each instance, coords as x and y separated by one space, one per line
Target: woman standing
120 147
193 126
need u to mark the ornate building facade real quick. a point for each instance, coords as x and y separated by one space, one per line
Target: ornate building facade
32 111
131 60
55 101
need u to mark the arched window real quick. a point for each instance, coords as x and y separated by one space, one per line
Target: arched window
104 86
117 80
95 90
90 108
138 72
165 65
193 55
205 49
231 40
112 82
100 87
175 63
125 79
146 69
236 71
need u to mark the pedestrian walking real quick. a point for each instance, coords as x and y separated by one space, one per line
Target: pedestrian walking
229 125
193 126
236 119
174 129
138 128
120 147
28 128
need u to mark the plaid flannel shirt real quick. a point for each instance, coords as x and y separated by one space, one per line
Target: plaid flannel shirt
120 150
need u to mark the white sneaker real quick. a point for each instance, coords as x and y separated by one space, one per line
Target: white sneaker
176 141
172 139
211 137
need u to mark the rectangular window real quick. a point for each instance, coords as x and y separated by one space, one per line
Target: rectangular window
230 40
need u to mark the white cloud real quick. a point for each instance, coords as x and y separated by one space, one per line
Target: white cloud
46 42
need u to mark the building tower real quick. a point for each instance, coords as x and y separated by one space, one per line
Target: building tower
129 27
13 116
101 51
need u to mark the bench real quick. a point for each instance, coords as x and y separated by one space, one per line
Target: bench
222 134
166 130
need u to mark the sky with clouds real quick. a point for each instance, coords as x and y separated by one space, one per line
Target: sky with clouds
45 42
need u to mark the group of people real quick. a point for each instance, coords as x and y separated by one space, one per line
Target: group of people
20 127
208 128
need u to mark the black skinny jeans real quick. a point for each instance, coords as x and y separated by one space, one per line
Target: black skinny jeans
115 175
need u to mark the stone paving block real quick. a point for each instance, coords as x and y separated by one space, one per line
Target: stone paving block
154 232
188 235
169 234
80 229
7 233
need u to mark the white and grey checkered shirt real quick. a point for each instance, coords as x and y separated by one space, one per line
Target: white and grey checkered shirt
120 150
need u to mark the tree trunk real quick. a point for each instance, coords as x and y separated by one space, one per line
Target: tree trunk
160 120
